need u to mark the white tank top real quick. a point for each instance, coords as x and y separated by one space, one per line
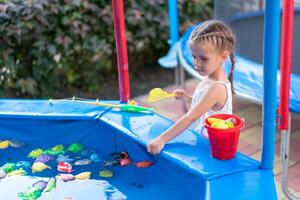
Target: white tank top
198 125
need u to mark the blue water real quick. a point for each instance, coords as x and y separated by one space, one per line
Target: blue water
163 180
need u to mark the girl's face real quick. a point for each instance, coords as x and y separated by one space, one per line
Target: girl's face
206 58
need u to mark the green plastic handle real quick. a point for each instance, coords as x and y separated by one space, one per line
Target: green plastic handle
134 108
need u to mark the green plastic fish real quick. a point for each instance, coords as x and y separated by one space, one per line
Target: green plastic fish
8 167
56 150
35 153
31 193
50 185
75 147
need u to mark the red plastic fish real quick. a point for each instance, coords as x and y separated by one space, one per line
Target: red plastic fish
143 164
125 161
64 167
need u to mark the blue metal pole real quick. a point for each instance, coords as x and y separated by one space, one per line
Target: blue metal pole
271 59
173 20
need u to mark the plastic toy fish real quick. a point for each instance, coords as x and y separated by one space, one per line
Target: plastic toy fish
64 167
23 164
157 94
17 172
106 173
40 184
65 177
75 147
56 150
17 143
31 193
8 167
4 144
44 158
2 174
220 123
143 164
50 185
35 153
39 166
95 157
125 162
62 158
82 162
83 176
87 153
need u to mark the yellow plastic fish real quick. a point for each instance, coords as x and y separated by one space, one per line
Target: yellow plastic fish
4 144
212 120
39 166
106 173
17 172
83 176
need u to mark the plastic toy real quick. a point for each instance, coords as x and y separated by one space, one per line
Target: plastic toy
35 153
75 147
82 162
65 177
23 164
143 164
157 94
40 184
106 173
83 176
17 143
39 166
31 193
4 144
50 185
64 167
17 172
2 173
8 167
62 158
56 150
44 158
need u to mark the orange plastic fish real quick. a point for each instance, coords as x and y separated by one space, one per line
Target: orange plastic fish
143 164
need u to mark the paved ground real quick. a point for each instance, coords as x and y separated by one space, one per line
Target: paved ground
250 138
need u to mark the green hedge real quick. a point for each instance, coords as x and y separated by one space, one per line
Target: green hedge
68 45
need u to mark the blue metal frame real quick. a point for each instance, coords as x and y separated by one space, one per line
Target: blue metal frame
173 20
271 61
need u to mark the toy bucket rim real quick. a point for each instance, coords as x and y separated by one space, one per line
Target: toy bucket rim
235 128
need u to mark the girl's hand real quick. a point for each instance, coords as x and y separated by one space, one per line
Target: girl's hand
155 146
180 94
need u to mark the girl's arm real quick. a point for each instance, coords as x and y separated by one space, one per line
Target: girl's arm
212 95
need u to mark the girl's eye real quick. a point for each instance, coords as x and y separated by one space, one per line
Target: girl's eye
194 57
204 58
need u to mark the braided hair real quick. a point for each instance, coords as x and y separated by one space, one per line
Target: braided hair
220 35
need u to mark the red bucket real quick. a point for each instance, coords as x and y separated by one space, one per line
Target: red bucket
224 142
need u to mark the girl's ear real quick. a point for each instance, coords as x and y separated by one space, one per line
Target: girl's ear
224 56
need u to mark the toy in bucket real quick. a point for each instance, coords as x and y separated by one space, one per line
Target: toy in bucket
223 132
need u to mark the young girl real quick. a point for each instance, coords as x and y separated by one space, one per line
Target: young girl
211 43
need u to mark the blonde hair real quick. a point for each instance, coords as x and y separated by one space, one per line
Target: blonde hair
217 33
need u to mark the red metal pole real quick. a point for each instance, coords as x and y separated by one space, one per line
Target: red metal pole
286 61
121 47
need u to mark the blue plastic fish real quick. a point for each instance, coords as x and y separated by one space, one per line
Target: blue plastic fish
87 153
62 158
23 164
95 157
